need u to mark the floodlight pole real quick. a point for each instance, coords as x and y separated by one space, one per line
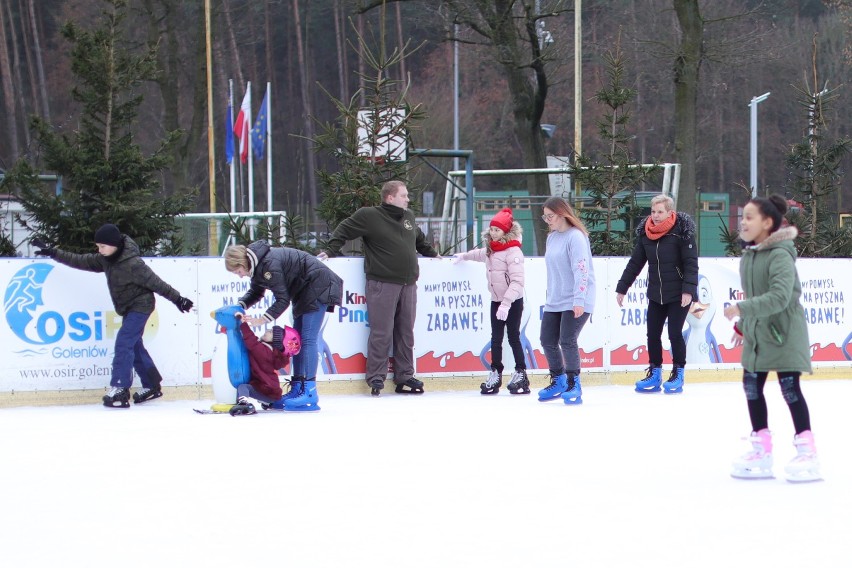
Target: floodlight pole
753 145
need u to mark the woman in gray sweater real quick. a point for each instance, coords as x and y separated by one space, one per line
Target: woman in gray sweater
570 299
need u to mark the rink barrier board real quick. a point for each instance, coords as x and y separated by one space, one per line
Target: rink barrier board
359 387
56 339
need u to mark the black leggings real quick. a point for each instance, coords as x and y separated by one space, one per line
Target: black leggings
657 316
789 381
512 325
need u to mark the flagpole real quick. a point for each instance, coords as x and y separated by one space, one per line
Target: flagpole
211 146
233 162
250 162
269 147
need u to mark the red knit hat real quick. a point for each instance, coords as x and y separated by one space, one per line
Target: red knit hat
503 220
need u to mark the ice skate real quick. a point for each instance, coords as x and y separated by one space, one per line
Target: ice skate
757 463
652 380
558 385
492 384
376 385
409 386
574 394
242 408
519 383
805 466
306 401
147 394
675 382
296 386
117 397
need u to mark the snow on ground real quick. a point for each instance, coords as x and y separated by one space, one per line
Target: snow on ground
441 480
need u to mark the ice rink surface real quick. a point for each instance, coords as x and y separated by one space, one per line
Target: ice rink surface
446 479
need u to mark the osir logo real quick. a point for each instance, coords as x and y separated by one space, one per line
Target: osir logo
23 297
24 301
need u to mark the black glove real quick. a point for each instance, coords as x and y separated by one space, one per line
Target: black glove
184 304
45 250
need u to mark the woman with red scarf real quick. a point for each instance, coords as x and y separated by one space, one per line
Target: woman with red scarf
504 263
665 240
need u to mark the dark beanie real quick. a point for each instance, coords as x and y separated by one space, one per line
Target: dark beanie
278 338
108 235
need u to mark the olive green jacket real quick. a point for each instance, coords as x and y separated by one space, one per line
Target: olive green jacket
772 321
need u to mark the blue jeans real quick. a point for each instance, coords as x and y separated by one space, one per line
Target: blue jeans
130 354
308 325
559 332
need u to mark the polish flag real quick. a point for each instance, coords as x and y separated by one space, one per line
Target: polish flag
241 126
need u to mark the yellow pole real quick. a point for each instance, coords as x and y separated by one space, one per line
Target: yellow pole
213 247
578 84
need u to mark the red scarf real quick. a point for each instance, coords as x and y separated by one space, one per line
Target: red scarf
497 246
654 232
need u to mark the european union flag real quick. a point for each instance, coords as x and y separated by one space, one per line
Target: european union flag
258 133
229 134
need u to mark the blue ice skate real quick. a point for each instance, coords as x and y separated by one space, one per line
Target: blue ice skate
675 382
574 394
558 385
652 380
306 401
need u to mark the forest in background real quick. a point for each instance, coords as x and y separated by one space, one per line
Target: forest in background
304 48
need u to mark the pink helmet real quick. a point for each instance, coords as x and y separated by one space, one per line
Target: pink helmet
292 341
286 340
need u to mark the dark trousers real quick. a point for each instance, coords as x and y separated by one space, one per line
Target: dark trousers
657 316
512 325
130 354
246 389
392 309
559 332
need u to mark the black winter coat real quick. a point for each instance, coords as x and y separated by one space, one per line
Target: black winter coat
131 282
672 262
293 276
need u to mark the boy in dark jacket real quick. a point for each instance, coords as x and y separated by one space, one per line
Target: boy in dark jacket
132 285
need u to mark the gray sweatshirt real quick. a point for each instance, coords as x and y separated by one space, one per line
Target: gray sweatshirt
570 274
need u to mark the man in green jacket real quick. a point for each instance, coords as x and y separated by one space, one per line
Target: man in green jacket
392 241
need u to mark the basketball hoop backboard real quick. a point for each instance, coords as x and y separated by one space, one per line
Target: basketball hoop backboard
385 138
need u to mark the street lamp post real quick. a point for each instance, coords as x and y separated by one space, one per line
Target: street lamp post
753 146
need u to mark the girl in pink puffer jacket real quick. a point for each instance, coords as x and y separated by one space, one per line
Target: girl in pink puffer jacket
504 265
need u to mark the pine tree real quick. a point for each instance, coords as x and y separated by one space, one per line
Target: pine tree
815 173
360 169
105 177
611 181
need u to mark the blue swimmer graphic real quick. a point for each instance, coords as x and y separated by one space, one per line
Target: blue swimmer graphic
701 345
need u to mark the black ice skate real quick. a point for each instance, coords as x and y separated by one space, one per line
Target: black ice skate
146 394
117 397
376 386
519 383
492 384
242 408
410 386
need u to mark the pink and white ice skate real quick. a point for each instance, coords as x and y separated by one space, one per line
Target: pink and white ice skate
757 463
805 466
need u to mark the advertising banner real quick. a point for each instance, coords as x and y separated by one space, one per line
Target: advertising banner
60 324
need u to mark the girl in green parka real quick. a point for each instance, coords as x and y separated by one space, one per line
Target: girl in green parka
774 336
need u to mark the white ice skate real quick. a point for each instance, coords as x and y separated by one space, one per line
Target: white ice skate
805 466
757 463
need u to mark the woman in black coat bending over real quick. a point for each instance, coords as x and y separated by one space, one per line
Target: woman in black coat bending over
666 241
